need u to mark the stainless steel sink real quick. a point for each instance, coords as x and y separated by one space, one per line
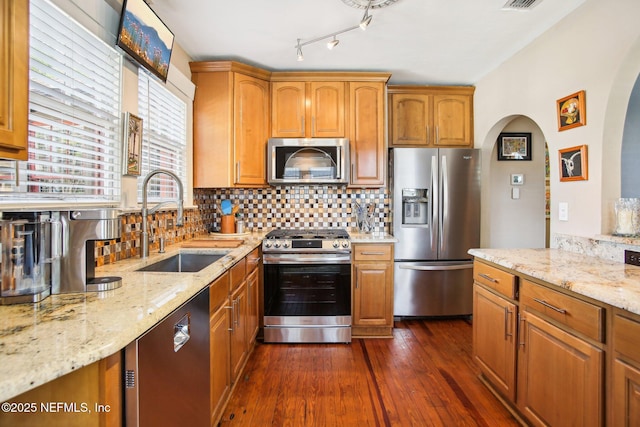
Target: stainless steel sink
183 263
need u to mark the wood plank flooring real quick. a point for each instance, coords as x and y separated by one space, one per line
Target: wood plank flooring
425 376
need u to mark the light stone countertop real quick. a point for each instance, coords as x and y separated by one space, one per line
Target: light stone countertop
610 282
377 237
66 332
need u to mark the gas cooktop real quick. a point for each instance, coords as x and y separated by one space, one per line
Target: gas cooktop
293 240
308 233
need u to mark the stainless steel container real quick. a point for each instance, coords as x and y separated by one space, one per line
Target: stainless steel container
30 256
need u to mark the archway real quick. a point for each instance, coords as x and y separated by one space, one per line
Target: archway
514 215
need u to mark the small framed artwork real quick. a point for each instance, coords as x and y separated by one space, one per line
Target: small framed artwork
573 163
514 146
132 144
517 179
572 111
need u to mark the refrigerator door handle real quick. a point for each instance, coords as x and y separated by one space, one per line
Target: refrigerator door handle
445 204
435 198
437 267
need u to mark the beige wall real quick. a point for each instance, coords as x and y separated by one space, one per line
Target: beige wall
596 49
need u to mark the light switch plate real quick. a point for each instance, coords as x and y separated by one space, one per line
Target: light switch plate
563 211
515 193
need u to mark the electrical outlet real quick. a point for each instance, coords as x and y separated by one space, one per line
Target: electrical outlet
169 223
632 257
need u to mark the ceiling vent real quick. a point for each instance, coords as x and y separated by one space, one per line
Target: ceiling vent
521 4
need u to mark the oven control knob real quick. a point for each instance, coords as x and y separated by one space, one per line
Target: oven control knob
276 244
336 244
345 244
286 244
267 244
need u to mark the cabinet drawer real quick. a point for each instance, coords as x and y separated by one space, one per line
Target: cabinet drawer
238 273
253 259
625 337
369 252
576 314
494 278
218 292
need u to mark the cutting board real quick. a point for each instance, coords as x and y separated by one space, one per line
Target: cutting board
210 243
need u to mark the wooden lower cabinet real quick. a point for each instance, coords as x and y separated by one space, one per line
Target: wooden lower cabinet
625 393
372 276
93 396
560 376
239 350
495 339
220 344
253 310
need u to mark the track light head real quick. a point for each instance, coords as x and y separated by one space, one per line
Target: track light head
299 52
366 20
333 43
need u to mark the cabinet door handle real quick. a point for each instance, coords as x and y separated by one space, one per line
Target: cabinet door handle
237 172
552 307
522 329
230 307
507 313
487 277
428 135
437 135
302 117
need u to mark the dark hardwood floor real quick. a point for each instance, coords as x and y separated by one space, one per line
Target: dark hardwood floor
425 376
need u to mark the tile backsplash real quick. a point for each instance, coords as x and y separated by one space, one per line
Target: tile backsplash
260 208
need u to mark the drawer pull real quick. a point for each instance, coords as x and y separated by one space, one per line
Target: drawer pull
507 313
487 277
552 307
372 253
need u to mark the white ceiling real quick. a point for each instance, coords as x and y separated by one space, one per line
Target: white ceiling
418 41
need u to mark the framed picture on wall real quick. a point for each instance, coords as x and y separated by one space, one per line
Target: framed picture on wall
132 144
573 163
514 146
572 111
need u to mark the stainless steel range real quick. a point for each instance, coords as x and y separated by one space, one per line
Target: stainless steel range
307 286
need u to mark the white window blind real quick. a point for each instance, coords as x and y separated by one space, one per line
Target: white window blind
74 118
164 138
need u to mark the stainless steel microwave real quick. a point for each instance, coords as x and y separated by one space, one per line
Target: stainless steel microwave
308 161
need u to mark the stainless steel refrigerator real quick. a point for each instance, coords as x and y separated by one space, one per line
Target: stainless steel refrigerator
436 219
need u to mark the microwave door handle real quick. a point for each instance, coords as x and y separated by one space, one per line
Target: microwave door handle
338 163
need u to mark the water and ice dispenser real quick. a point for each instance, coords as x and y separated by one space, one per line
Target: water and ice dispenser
415 206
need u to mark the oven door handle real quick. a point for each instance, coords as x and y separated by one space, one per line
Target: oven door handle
307 259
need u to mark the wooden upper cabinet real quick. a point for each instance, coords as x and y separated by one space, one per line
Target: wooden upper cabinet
308 109
251 113
366 134
453 120
288 109
410 119
14 79
231 115
430 116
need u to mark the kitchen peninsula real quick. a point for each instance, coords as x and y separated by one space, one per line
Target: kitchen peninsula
558 329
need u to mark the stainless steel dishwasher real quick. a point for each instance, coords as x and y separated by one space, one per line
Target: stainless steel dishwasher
167 370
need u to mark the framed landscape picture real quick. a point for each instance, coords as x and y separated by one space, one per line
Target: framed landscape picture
573 163
572 111
514 146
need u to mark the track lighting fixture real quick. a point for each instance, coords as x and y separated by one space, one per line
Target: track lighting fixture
363 24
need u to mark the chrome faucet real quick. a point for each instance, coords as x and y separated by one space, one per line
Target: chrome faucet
144 235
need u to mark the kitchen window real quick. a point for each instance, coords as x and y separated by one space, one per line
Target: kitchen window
164 138
75 137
